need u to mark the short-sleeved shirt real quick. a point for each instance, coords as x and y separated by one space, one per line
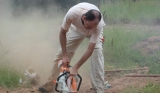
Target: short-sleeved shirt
73 17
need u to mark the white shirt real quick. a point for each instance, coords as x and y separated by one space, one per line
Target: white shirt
73 17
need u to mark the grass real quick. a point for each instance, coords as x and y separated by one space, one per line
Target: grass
9 78
118 46
139 12
118 51
149 88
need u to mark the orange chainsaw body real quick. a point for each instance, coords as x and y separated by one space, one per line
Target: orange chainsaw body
70 83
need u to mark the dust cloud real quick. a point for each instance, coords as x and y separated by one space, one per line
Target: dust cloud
29 38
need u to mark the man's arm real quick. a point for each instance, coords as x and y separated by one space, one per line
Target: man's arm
62 38
86 55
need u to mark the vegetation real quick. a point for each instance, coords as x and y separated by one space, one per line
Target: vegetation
119 52
9 78
63 5
118 48
149 88
126 11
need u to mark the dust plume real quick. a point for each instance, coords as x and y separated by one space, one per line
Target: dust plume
29 36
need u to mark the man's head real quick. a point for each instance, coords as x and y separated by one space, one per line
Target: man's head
91 19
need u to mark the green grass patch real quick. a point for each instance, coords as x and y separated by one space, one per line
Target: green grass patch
127 11
9 78
119 52
118 49
149 88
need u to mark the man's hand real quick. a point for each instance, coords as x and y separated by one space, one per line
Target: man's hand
62 37
73 71
65 60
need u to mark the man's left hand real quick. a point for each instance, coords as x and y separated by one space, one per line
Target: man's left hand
73 71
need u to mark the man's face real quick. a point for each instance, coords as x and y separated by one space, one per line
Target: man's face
91 24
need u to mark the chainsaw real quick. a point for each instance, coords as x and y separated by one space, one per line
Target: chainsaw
66 83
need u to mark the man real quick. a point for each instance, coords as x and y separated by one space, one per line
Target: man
82 20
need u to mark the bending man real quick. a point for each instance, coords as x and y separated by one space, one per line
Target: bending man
83 20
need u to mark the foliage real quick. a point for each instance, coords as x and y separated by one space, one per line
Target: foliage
125 11
62 4
9 78
119 51
149 88
118 48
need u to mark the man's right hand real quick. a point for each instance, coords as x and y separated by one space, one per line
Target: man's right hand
65 60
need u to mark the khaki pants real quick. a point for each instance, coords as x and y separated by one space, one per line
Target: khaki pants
97 61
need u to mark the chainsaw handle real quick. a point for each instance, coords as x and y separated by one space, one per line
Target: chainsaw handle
79 82
66 80
58 80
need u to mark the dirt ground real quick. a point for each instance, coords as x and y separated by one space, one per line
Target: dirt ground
118 85
119 82
124 83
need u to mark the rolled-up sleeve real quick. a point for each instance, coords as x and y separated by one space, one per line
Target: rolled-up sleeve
69 17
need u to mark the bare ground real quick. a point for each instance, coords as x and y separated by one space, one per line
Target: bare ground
118 85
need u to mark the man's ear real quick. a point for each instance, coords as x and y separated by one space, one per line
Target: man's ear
83 17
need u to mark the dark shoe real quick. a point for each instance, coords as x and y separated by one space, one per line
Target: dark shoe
46 88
